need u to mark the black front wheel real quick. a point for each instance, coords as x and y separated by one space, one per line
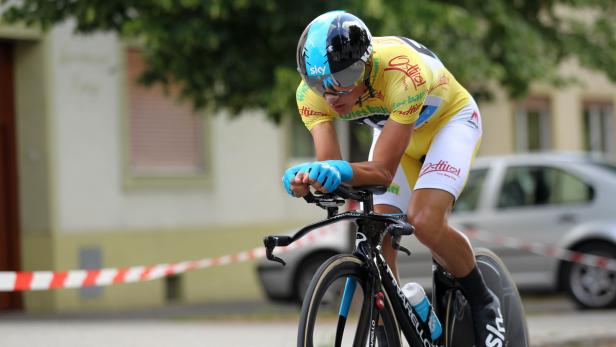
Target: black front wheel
321 322
458 320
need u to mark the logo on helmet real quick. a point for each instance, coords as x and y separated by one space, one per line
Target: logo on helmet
317 70
367 54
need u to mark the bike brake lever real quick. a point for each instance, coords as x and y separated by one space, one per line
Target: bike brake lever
395 243
396 231
271 242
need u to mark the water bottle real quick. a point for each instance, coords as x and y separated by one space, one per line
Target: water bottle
418 299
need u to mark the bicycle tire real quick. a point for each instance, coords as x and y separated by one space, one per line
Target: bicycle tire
458 324
332 271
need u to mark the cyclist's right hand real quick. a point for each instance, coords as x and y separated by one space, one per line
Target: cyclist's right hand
296 187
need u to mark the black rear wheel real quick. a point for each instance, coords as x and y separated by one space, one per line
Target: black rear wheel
320 322
458 320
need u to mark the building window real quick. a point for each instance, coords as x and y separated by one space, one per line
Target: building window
532 124
597 120
165 137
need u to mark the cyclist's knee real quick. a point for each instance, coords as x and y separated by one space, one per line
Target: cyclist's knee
430 226
428 214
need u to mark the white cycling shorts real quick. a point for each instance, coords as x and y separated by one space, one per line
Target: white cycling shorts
446 163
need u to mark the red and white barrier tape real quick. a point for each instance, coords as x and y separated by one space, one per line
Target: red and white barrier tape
542 249
44 280
11 281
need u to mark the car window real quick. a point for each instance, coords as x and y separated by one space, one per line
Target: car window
469 199
542 185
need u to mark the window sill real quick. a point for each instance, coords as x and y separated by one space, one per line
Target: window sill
162 182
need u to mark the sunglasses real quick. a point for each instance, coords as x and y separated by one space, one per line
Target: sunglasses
346 79
336 92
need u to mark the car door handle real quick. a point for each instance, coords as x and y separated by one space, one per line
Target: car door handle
567 218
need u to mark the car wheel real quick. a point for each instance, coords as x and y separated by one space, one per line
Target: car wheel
592 287
305 271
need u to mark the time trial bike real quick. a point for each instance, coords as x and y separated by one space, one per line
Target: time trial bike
368 299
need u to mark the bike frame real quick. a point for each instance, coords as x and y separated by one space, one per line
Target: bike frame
371 231
367 248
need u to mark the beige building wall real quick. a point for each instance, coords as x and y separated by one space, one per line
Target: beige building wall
77 199
498 124
566 113
79 205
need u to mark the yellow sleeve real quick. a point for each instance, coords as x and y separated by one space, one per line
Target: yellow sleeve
406 88
312 108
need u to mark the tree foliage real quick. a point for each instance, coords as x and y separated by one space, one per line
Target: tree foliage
240 54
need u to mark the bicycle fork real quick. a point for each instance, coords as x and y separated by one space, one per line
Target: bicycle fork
345 305
376 304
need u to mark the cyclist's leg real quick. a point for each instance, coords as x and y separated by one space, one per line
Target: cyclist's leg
440 182
395 200
428 212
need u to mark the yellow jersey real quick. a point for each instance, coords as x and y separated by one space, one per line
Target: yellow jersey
411 86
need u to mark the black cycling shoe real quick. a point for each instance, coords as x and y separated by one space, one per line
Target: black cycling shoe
486 310
489 323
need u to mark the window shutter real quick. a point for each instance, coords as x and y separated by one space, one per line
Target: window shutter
165 136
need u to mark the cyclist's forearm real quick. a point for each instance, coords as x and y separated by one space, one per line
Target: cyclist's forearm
370 173
386 156
325 142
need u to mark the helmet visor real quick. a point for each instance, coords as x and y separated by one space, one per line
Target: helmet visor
346 78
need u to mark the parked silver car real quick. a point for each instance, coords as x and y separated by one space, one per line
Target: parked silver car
563 200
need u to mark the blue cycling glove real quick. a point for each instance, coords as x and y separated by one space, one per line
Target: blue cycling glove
290 174
327 175
346 171
330 173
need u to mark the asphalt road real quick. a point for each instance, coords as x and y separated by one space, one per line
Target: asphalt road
551 322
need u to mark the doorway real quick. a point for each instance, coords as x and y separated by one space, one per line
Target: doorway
9 214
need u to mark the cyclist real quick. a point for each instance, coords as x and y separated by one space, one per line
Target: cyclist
427 129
